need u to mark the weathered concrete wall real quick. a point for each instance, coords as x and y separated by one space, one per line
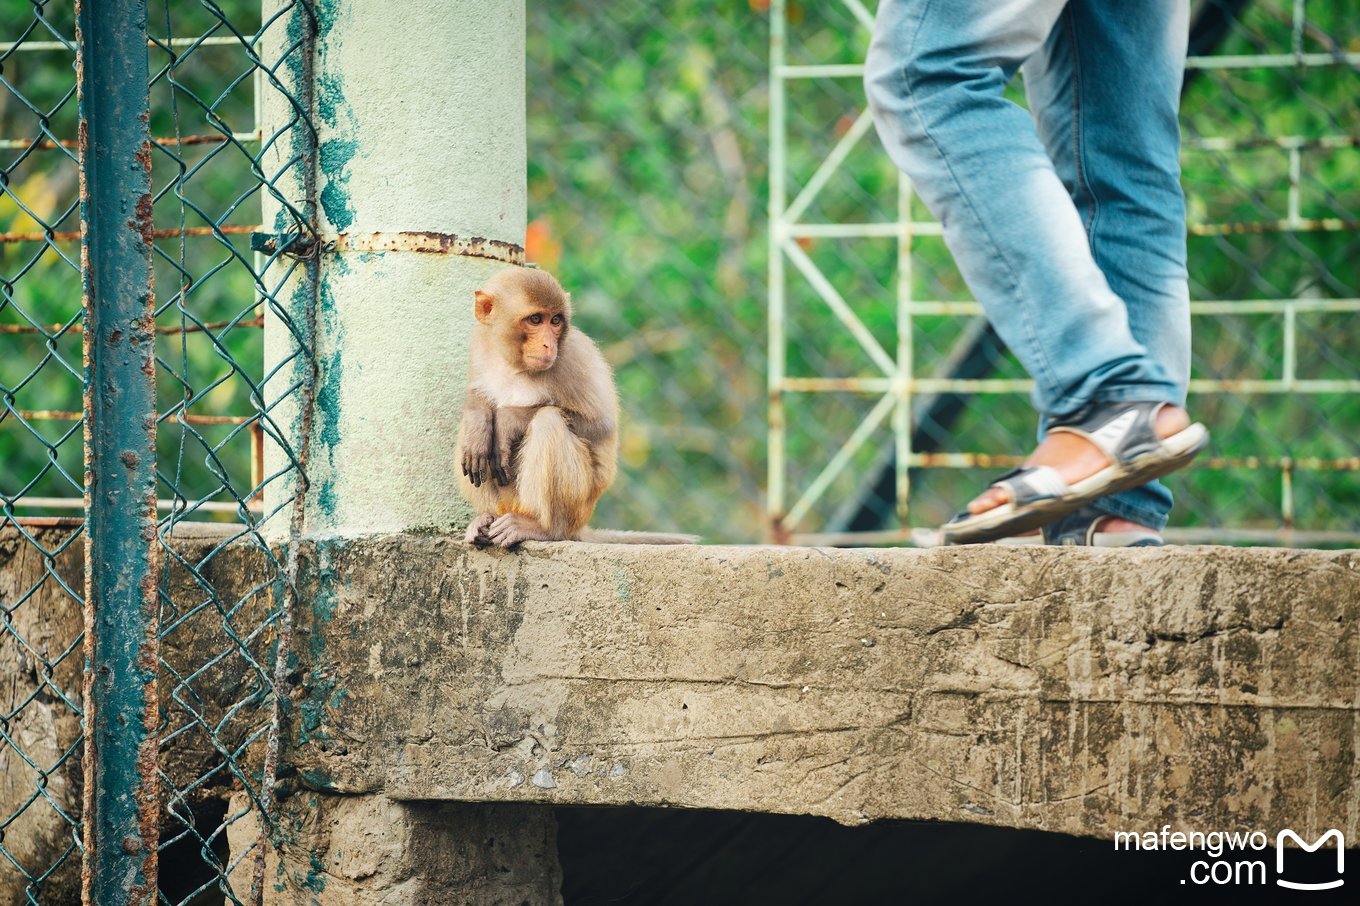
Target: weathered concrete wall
43 626
1070 690
1057 689
37 721
370 850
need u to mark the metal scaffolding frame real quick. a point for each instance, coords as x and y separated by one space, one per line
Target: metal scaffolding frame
897 385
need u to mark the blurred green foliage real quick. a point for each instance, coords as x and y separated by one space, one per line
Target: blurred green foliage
651 186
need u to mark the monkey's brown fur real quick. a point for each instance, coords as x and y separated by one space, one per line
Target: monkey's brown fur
538 443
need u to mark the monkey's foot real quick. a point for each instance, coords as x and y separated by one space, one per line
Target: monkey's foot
477 530
512 528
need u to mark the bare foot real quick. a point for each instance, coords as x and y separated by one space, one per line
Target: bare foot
1075 458
1115 524
512 528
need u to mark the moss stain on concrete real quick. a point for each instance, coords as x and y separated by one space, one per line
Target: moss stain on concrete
321 692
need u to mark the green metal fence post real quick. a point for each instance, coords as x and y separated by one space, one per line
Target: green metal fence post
120 455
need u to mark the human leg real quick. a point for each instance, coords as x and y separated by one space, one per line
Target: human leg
935 78
1104 90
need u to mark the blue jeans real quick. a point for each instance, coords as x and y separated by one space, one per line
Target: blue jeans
1068 223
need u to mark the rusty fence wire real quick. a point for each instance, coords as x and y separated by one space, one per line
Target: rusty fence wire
40 426
229 228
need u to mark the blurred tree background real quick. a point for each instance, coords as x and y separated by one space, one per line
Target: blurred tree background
648 193
649 198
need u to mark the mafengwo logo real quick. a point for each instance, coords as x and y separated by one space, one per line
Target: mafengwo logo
1332 834
1237 859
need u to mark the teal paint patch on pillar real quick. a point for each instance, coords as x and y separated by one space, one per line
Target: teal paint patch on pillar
337 149
335 203
328 397
439 156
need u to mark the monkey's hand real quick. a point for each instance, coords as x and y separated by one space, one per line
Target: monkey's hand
511 423
476 437
591 430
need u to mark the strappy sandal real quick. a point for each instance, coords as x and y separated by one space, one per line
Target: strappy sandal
1082 528
1124 431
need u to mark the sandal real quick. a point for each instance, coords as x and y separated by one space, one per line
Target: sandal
1082 528
1124 431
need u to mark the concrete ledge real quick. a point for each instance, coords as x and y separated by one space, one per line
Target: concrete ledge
1058 689
371 851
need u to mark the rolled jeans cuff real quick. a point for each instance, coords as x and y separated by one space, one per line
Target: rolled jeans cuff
1168 393
1153 519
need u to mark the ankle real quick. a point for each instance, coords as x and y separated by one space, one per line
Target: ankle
1172 419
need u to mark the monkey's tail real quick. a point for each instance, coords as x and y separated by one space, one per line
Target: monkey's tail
610 536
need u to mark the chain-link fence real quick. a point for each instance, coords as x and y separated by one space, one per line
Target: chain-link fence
179 96
41 326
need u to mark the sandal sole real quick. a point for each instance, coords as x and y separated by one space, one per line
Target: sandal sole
1103 539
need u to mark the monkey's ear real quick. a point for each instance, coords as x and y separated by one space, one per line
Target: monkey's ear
484 303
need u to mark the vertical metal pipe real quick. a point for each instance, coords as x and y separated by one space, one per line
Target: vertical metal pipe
906 367
776 504
121 576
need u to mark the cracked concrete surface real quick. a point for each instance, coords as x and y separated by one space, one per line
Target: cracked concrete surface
372 851
1080 691
1068 690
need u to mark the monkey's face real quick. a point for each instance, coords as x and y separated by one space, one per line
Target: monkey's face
541 334
527 312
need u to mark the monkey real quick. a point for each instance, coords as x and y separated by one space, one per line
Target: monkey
538 440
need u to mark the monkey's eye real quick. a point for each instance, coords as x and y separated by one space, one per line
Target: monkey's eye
535 319
557 319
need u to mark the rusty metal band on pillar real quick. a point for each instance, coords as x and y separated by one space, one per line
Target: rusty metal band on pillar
121 575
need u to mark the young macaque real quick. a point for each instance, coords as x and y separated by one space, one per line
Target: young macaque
538 443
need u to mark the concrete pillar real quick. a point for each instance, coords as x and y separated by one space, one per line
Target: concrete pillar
420 176
372 851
